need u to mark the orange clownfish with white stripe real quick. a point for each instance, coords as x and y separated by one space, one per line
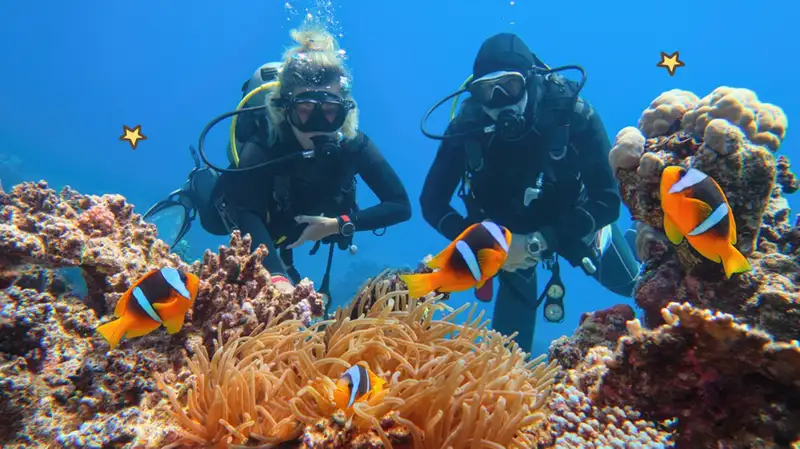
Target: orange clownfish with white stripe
160 297
471 260
357 384
695 207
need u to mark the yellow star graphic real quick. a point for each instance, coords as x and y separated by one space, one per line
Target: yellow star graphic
132 135
670 62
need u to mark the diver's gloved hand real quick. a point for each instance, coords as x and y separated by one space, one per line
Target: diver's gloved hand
318 228
525 251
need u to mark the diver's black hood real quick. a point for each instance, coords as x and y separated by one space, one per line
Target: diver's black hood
504 51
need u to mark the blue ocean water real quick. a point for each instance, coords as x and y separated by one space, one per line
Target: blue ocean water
73 73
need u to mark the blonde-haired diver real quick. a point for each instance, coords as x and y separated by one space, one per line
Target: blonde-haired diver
294 155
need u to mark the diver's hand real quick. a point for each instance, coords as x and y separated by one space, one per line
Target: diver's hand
318 228
525 251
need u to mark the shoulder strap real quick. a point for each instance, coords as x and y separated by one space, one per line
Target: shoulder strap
556 112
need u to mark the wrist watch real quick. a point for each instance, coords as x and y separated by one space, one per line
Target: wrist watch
346 227
535 245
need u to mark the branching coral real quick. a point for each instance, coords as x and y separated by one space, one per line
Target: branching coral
725 382
448 384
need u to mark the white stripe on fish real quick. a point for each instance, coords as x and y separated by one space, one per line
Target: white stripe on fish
692 177
144 303
719 214
469 257
497 233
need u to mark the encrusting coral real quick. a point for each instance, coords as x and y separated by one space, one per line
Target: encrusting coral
731 136
575 421
729 385
599 328
448 384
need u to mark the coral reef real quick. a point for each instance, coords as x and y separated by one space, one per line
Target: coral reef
731 136
599 328
729 385
447 384
575 421
60 383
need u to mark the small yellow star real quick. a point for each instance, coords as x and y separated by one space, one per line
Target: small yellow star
132 135
670 62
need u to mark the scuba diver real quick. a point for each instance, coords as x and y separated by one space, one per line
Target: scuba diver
531 155
294 155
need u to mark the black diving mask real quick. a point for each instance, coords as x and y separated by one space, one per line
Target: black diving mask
316 111
498 89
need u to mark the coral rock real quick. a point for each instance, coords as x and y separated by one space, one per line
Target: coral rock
726 383
667 109
627 149
730 136
59 383
600 328
762 123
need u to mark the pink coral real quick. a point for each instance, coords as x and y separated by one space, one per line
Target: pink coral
98 219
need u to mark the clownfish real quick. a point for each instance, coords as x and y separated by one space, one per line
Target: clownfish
159 297
471 260
357 384
695 207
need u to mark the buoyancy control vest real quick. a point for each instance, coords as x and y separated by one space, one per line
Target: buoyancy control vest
543 162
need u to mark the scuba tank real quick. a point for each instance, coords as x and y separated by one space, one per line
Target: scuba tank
248 123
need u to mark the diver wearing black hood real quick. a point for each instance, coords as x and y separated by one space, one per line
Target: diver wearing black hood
530 155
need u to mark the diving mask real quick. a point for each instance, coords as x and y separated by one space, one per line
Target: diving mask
316 111
498 89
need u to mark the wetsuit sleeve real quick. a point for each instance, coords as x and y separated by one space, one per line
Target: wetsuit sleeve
380 177
602 204
247 202
440 184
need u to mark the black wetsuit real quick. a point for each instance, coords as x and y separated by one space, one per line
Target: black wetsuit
264 202
579 196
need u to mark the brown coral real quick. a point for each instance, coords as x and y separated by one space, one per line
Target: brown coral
725 382
599 328
575 421
61 384
448 384
730 136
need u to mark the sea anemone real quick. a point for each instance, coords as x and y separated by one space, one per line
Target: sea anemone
448 384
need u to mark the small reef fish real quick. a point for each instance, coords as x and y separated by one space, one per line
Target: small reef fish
695 207
357 384
159 297
471 260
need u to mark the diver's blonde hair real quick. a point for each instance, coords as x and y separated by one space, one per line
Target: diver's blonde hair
315 56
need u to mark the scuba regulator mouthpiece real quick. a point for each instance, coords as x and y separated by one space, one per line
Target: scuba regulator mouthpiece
510 125
325 146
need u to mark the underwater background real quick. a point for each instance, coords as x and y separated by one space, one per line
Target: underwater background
74 73
717 368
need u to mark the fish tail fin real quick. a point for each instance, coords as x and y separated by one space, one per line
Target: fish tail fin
420 285
113 331
734 261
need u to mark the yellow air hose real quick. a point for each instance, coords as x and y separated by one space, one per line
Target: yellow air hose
235 151
455 100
